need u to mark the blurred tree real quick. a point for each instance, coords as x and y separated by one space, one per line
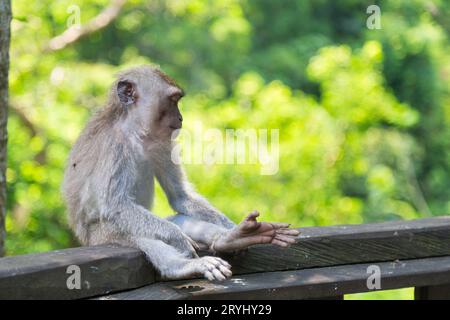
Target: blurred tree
363 115
5 19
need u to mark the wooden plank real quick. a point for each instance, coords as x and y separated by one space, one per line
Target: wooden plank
346 244
110 268
300 284
103 269
439 292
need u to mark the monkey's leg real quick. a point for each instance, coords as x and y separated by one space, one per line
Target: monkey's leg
248 232
202 232
174 265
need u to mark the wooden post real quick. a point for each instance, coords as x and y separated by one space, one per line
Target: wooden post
5 20
439 292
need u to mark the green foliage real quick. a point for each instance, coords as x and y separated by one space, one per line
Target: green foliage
399 294
363 115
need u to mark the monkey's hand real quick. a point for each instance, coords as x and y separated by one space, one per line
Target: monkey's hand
250 232
212 268
181 241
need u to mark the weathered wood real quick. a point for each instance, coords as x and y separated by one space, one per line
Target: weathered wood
5 35
109 269
103 269
439 292
346 244
300 284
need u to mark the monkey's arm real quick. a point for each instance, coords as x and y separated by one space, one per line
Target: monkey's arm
182 198
119 209
208 225
135 221
248 232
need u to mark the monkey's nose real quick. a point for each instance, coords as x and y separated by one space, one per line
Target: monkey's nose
180 118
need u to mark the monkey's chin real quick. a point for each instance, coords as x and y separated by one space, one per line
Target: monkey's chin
175 133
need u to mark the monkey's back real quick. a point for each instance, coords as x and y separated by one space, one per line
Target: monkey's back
79 185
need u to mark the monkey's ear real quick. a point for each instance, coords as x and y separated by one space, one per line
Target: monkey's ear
126 90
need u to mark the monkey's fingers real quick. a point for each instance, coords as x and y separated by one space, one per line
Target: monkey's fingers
184 245
252 216
280 243
216 261
250 223
262 232
194 253
190 249
279 225
270 232
252 240
216 268
264 226
290 232
194 244
284 238
283 241
214 274
219 275
227 272
209 275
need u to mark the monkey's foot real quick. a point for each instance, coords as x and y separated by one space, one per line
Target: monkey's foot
212 268
250 232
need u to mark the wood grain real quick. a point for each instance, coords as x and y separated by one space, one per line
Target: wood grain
346 244
103 269
107 269
299 284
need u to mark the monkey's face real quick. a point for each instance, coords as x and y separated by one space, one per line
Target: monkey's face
168 117
151 99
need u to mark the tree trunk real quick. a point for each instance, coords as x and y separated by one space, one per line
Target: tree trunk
5 20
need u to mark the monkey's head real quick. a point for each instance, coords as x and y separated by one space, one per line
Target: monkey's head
148 100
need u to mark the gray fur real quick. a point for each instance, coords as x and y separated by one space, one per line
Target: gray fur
108 185
108 182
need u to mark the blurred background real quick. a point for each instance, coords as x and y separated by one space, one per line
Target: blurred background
363 114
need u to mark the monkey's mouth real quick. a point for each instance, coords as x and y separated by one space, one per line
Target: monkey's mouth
175 127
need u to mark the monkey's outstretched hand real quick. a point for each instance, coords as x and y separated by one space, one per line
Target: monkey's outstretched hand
250 232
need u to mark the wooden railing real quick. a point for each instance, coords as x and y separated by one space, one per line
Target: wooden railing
327 262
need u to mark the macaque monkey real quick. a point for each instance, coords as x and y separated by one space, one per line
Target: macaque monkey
109 184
